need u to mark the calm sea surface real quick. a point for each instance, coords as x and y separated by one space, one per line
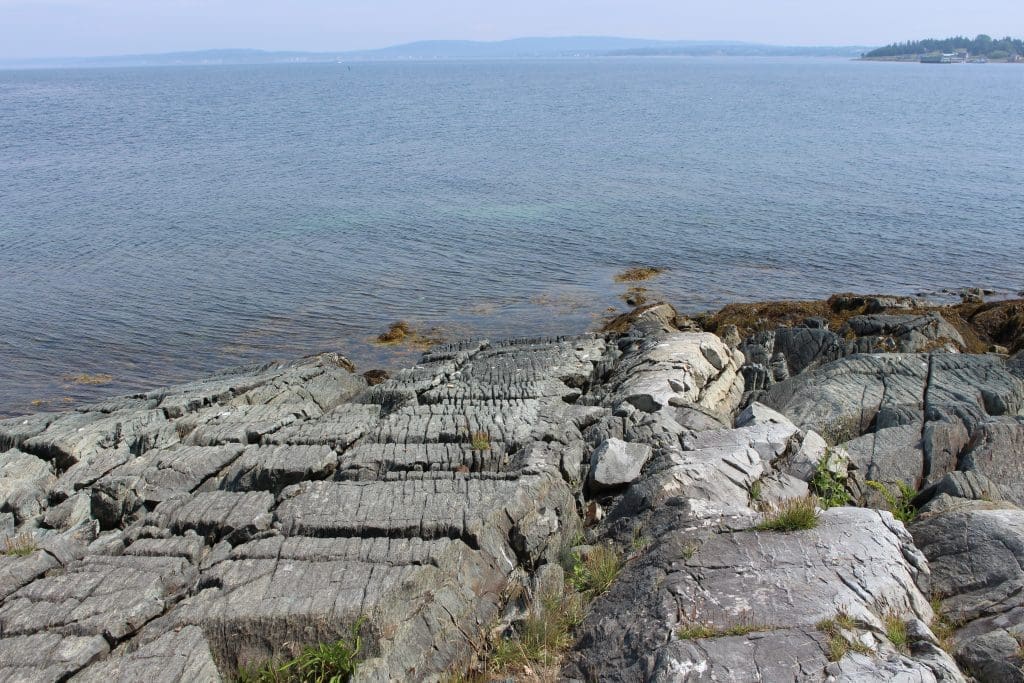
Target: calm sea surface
157 224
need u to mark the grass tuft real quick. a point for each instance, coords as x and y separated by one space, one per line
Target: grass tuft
544 636
943 626
896 631
838 644
323 663
696 629
481 441
595 573
795 514
20 545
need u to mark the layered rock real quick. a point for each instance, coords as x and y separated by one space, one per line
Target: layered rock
184 533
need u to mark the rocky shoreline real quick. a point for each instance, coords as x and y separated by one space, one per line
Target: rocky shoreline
200 531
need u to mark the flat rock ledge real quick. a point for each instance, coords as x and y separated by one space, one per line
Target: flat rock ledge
184 533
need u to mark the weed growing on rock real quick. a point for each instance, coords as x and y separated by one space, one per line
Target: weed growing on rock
838 644
755 490
323 663
826 484
535 649
900 500
943 626
19 546
896 631
640 542
594 573
795 514
543 637
695 628
481 441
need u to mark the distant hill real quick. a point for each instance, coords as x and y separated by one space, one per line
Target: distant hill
1007 48
518 48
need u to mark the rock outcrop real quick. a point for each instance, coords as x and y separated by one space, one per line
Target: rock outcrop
185 533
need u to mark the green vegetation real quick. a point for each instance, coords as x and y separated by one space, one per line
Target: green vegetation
943 626
981 46
896 631
826 484
19 546
324 663
755 491
542 638
535 649
900 500
594 573
704 630
838 644
481 441
794 514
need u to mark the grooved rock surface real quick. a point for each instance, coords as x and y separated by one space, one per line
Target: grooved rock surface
183 533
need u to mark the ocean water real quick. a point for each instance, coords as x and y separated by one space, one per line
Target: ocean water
157 224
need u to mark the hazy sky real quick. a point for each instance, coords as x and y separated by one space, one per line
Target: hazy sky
37 28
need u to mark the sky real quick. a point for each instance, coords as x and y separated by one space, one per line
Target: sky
61 28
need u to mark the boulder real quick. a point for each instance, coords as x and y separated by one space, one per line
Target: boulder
616 463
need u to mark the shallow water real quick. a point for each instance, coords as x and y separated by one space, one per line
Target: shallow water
157 224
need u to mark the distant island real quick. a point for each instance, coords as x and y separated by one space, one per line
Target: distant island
518 48
951 50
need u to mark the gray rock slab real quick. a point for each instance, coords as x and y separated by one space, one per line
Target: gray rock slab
100 596
74 437
616 463
769 439
24 484
272 468
47 657
889 456
248 424
339 428
16 430
181 655
858 561
510 422
843 399
156 476
369 461
996 452
228 515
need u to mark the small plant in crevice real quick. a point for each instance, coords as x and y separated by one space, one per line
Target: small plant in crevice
322 663
795 514
697 627
827 485
594 572
943 626
481 441
755 491
542 638
839 644
900 499
896 631
19 545
640 542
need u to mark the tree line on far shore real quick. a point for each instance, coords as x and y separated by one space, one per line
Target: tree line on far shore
981 46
